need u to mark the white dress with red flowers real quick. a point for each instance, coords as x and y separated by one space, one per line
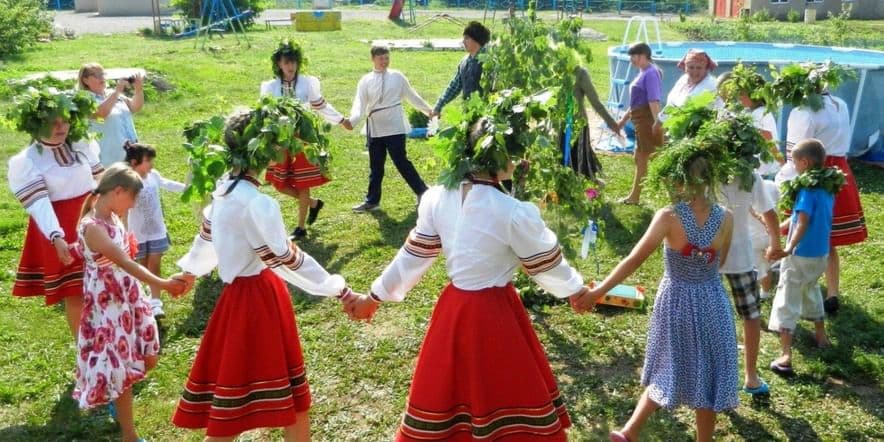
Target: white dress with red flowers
117 329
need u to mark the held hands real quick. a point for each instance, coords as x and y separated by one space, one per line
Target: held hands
774 254
347 124
62 250
179 284
359 307
585 300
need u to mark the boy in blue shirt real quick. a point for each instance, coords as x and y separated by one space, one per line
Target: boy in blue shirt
805 258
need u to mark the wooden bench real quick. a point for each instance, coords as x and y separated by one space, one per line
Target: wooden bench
269 21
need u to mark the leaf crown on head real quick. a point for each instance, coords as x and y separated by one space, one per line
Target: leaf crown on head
804 84
36 110
289 50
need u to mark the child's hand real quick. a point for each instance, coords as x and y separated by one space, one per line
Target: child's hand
175 287
62 250
583 301
360 307
187 280
772 254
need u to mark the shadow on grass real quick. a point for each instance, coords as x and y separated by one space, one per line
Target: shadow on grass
66 422
596 379
868 178
618 236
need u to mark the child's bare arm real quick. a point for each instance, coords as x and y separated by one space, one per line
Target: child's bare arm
646 245
98 241
796 235
771 222
727 231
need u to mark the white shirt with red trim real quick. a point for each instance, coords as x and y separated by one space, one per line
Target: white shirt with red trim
485 237
40 174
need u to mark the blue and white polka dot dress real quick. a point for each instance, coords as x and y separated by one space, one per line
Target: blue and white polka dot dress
691 357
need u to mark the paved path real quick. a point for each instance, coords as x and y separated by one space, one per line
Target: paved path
92 23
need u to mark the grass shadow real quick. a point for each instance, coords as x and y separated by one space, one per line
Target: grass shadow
868 178
393 232
66 422
618 236
596 379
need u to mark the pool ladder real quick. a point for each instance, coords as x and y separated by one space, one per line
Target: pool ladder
621 68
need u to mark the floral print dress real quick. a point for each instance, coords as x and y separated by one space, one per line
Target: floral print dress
117 329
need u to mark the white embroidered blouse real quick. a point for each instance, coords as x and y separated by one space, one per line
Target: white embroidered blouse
379 98
243 233
306 89
485 237
40 174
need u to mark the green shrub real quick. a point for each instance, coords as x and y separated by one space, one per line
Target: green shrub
417 118
762 16
793 16
22 22
191 8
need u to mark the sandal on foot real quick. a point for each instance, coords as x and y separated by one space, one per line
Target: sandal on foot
314 212
784 370
762 388
616 436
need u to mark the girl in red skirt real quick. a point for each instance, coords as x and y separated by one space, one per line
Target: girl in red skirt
831 125
296 176
249 371
481 372
51 178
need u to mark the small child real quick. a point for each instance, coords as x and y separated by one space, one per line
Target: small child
692 344
146 218
740 267
117 340
804 258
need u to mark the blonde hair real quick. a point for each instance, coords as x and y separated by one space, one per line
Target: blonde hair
117 175
85 71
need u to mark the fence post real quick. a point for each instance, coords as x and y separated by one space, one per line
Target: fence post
653 7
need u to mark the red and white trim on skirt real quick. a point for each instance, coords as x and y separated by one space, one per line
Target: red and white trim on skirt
297 173
249 370
40 273
482 374
848 220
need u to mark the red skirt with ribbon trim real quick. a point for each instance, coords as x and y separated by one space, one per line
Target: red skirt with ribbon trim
249 371
297 173
482 374
848 221
40 273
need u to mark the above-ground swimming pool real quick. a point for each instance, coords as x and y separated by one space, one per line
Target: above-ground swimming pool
864 95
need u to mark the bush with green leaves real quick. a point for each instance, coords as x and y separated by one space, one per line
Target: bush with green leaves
278 126
192 8
417 118
22 23
793 16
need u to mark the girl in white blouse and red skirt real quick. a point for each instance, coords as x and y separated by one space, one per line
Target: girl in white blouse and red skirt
52 177
295 176
249 371
481 372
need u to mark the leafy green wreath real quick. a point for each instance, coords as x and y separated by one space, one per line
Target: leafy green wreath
830 179
35 112
804 84
278 126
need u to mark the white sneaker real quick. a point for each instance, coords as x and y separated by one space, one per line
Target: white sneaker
156 307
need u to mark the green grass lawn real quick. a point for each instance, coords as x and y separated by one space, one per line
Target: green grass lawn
359 373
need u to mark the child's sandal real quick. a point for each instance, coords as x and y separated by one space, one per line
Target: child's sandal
762 388
782 369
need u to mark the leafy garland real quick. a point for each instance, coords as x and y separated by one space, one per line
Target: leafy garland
744 80
733 132
278 126
35 112
803 84
830 179
669 172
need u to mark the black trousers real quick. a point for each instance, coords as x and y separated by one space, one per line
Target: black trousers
378 147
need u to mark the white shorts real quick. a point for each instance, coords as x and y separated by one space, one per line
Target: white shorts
798 293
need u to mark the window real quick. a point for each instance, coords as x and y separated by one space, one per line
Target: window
813 1
779 1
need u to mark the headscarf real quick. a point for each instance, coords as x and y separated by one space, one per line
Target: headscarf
695 55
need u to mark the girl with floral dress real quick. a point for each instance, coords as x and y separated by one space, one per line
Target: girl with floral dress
691 354
118 341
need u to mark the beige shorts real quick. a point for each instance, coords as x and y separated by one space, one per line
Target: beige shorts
798 293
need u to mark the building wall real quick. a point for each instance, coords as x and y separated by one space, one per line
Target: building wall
862 9
130 7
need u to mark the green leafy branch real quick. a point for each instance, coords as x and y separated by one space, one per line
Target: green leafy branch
804 84
277 126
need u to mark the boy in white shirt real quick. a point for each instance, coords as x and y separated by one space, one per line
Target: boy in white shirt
739 267
379 96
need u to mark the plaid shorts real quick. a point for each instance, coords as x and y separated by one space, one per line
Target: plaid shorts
744 288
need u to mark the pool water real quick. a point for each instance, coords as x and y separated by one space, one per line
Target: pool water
864 95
